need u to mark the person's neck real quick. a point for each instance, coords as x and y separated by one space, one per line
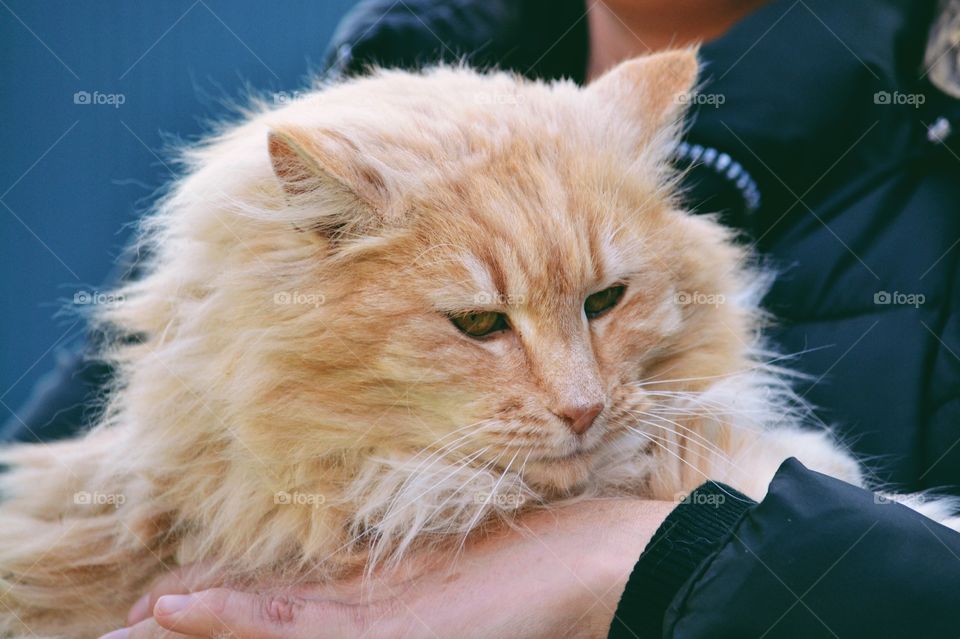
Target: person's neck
623 29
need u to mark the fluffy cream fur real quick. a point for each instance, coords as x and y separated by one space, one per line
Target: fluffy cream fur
292 397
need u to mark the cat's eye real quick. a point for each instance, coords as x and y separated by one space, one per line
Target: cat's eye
480 323
602 301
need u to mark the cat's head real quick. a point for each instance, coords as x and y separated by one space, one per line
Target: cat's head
507 258
481 265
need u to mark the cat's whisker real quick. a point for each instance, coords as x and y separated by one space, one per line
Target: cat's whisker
698 438
408 538
688 404
493 491
691 437
474 428
654 440
762 365
708 410
518 483
680 459
391 513
677 380
718 413
700 397
444 451
787 406
465 462
723 456
683 443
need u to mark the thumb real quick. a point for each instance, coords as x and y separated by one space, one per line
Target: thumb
221 612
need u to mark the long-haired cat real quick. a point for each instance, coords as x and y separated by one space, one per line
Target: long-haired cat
391 312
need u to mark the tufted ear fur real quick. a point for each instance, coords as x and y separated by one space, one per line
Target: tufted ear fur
650 89
324 170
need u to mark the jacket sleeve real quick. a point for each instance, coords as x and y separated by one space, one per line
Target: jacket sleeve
816 558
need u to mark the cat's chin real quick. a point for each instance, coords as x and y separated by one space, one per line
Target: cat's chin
560 475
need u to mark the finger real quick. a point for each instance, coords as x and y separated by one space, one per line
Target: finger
219 611
148 629
227 612
181 581
139 611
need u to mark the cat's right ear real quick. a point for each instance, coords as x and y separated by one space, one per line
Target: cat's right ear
651 89
323 168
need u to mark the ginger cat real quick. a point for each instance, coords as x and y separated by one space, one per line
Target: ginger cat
389 313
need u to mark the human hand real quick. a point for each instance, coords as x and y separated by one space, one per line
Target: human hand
560 575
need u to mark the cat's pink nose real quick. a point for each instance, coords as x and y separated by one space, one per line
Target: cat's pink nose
580 417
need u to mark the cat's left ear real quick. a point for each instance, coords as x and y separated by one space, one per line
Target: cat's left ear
650 89
326 170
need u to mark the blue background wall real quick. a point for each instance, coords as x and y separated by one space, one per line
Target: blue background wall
73 176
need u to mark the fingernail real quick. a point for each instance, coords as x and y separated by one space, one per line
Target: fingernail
170 604
140 610
123 633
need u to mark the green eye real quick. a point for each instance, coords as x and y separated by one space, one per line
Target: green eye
601 302
480 323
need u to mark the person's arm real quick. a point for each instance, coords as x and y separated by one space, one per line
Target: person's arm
558 573
816 558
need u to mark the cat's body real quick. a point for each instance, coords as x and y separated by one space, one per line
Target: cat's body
297 398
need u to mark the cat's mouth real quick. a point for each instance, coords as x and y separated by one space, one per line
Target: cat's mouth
577 453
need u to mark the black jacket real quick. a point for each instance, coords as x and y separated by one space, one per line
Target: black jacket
816 558
820 143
